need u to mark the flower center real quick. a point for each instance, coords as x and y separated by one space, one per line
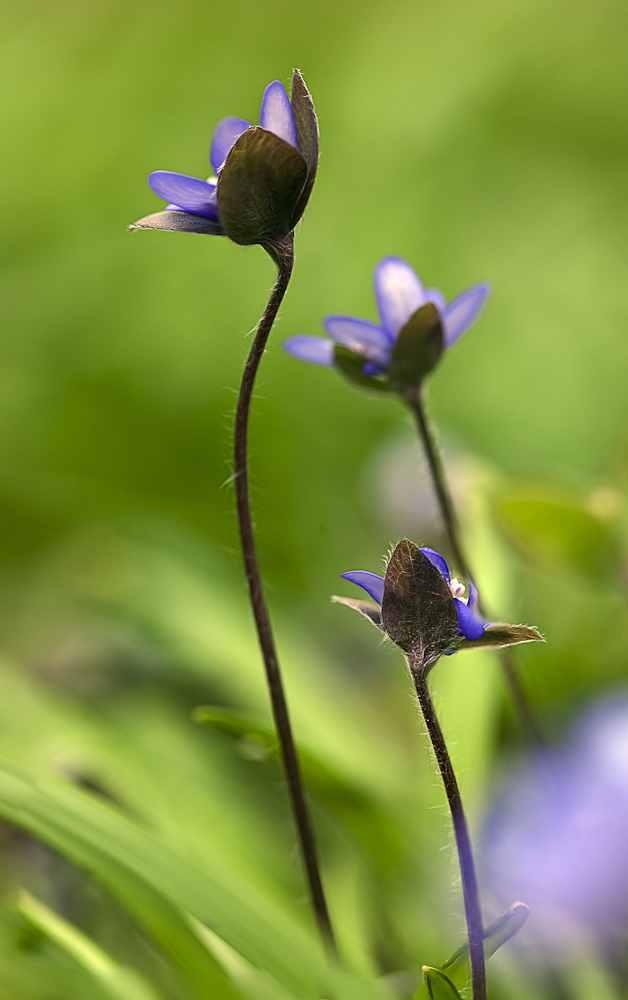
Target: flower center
457 588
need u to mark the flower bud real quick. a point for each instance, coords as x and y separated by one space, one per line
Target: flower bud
419 608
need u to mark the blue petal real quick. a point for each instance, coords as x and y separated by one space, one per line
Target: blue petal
372 369
460 314
473 596
399 293
190 193
276 113
470 626
436 296
359 335
316 350
370 582
438 561
225 134
176 208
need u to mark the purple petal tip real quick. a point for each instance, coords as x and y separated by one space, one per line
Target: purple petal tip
370 582
276 113
315 350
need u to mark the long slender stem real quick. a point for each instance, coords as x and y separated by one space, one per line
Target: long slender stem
284 258
414 398
473 913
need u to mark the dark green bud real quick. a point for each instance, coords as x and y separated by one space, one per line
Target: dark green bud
260 188
417 350
351 365
418 610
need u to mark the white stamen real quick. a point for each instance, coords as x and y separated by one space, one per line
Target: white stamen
457 588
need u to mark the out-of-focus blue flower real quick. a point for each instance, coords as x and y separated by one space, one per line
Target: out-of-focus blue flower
470 625
399 294
558 836
190 194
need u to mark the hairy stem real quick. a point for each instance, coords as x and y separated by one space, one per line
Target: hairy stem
283 256
471 896
414 399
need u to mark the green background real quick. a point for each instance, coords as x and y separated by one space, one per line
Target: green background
482 141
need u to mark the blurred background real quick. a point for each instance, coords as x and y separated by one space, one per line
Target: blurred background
482 141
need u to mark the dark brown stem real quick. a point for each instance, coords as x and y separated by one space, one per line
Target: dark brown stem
414 399
283 255
471 896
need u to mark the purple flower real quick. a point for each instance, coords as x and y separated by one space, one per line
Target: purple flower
420 608
400 295
558 835
263 175
190 194
470 625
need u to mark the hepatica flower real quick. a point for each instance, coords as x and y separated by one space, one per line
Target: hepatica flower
263 175
422 609
416 326
558 833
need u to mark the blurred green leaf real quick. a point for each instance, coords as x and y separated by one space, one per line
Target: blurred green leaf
160 890
559 531
116 981
117 855
251 982
356 810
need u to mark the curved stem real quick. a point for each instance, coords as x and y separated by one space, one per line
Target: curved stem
414 399
473 913
283 256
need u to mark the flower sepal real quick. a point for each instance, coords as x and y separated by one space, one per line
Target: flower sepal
260 187
417 350
306 124
418 610
180 222
351 365
500 634
366 608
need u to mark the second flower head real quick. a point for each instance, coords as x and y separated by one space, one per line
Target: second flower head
416 325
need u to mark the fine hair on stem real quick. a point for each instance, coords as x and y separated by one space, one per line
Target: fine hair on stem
282 254
415 400
470 892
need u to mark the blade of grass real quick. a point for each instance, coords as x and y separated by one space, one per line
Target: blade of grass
117 981
160 890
